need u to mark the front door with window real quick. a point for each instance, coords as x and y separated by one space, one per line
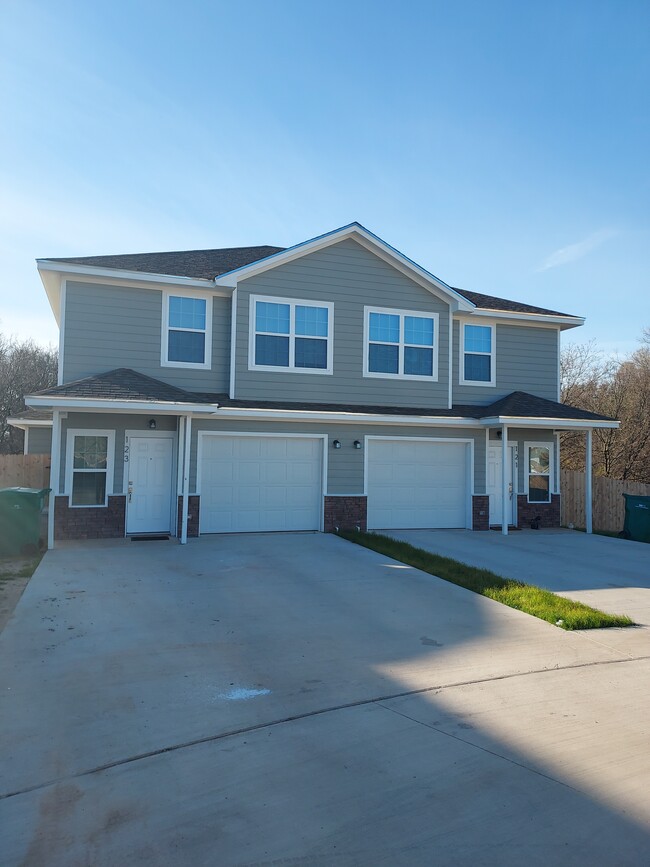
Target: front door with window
495 485
149 478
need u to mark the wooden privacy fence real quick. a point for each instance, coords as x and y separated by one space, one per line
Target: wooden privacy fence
608 501
25 471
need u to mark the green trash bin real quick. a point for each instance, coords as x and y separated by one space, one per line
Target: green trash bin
20 520
637 518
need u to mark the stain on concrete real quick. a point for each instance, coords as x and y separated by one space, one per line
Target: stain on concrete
431 642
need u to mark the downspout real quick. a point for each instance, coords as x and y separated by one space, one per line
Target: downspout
55 473
505 501
186 477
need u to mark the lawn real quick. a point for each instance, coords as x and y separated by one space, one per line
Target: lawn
524 597
14 576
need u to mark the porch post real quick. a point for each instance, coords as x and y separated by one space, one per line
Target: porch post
55 472
506 508
186 477
588 485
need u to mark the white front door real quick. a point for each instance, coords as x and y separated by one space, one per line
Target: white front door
149 491
495 485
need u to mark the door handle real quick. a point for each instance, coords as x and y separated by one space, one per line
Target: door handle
130 492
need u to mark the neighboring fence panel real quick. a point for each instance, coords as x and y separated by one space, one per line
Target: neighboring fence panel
25 471
608 501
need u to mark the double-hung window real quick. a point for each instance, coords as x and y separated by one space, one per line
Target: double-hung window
89 463
539 472
186 337
400 343
477 355
290 335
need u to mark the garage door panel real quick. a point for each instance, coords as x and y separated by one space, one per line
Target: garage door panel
260 484
417 484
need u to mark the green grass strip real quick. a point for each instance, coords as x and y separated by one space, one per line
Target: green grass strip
524 597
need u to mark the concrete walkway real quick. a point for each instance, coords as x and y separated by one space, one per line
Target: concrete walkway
297 699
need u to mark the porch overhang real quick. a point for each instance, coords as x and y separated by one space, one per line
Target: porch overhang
556 424
83 404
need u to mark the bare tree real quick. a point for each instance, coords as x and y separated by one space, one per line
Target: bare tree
24 367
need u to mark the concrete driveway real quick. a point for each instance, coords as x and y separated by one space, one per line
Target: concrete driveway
297 699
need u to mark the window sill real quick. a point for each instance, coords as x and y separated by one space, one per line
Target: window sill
267 368
412 377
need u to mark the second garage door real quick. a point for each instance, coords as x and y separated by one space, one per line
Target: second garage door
417 484
256 484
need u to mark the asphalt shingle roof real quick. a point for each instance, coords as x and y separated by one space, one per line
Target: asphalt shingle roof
208 264
522 404
121 384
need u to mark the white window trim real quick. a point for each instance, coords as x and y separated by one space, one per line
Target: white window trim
69 469
164 335
393 311
551 470
493 355
292 302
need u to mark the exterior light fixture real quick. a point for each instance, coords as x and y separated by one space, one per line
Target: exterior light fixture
337 444
357 444
499 434
152 424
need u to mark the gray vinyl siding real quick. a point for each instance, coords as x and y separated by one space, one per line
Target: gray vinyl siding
520 436
120 424
349 276
344 465
39 441
526 360
113 326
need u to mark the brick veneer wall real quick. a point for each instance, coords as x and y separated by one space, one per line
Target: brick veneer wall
91 522
480 512
549 513
193 504
346 513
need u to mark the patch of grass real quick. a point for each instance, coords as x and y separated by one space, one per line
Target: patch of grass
19 567
524 597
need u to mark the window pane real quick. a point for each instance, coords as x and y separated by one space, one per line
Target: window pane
311 321
478 338
418 361
384 327
311 353
88 489
539 460
272 317
418 330
478 368
538 489
273 351
383 359
90 453
188 346
187 313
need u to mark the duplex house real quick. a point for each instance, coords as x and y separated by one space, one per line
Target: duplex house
333 384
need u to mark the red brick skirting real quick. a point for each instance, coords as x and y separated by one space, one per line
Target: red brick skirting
548 513
480 512
90 522
346 513
193 504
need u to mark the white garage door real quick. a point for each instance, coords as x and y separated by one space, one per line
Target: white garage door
256 484
417 484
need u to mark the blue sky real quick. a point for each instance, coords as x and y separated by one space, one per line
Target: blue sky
503 146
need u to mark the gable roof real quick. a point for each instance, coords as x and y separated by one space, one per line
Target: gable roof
520 404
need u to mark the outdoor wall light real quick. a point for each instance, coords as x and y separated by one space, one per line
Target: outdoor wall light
499 434
152 424
357 444
337 444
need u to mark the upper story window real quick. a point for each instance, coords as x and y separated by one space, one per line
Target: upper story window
400 343
186 337
290 335
89 463
477 354
539 472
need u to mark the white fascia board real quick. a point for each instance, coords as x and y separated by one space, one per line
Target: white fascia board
342 417
534 318
137 406
556 423
24 423
68 268
367 239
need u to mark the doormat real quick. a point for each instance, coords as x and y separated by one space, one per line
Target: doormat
156 537
511 527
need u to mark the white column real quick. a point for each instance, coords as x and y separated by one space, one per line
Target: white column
506 510
55 472
186 477
588 485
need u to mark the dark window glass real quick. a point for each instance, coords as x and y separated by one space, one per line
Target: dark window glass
538 489
383 359
478 368
418 362
272 351
88 489
188 346
311 353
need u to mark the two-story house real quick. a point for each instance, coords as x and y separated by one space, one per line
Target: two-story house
335 383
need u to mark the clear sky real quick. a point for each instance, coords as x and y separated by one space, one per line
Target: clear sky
505 146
